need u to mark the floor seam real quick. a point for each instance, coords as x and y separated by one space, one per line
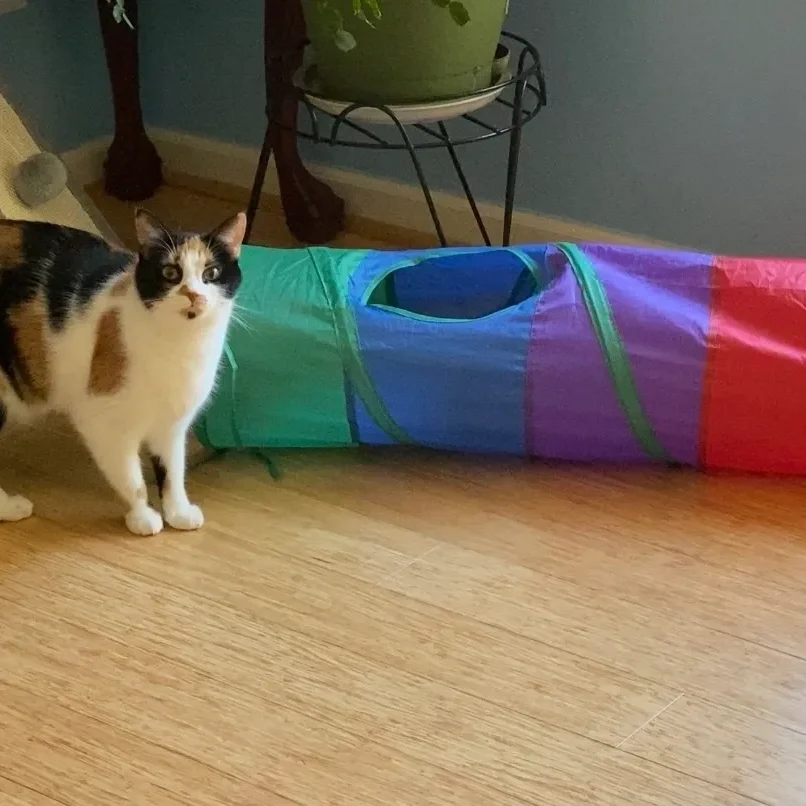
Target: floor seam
406 567
649 721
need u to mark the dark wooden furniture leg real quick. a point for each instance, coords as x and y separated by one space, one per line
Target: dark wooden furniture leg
313 212
133 168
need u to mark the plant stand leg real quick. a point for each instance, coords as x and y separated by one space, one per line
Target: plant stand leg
133 168
415 160
514 158
429 199
258 182
460 173
313 212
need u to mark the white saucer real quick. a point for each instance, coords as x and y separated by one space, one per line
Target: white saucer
407 114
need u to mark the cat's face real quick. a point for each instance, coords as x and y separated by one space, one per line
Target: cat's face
190 277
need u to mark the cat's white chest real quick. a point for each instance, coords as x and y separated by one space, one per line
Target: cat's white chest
164 371
176 382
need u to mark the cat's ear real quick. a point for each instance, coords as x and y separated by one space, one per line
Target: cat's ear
231 234
149 229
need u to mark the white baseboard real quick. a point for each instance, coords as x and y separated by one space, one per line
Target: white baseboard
12 5
381 200
85 163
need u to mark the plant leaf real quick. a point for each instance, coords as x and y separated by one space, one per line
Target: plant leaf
441 3
345 41
119 12
359 15
374 8
458 11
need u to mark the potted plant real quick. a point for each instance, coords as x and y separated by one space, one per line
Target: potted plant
403 51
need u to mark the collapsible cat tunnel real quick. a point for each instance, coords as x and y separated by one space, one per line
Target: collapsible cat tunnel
574 352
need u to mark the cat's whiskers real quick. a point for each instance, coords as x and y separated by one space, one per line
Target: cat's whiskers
237 317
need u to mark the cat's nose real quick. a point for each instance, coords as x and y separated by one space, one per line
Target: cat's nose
197 301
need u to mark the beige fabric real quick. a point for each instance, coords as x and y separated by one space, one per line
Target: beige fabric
16 144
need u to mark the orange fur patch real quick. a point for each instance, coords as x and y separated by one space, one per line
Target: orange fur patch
193 250
10 245
30 321
109 359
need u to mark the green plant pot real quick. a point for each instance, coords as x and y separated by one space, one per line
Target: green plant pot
414 53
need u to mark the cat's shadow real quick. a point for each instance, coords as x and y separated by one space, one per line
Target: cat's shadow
50 465
682 509
677 508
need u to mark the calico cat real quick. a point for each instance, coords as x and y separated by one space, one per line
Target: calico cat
127 345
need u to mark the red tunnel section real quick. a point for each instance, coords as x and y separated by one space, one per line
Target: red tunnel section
754 412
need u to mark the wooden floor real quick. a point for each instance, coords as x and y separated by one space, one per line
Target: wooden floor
188 203
394 627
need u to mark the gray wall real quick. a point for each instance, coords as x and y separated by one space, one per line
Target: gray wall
684 121
52 71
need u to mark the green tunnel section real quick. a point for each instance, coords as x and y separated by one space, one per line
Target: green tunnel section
289 351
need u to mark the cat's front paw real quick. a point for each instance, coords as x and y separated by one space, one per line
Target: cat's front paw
15 508
186 517
144 521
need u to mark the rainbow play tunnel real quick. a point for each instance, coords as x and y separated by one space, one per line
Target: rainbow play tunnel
586 353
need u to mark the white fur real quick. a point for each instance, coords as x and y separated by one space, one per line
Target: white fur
171 371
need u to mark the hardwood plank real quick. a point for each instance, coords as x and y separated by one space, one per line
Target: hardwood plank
268 638
749 525
738 752
260 741
776 554
78 761
83 762
231 731
607 630
81 496
377 776
12 794
357 227
182 207
573 543
692 513
331 536
371 776
663 652
601 629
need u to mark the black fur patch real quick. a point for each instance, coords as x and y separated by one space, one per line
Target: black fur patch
17 286
230 278
82 266
160 473
69 266
152 286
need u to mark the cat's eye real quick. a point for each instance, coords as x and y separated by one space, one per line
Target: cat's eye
171 273
211 274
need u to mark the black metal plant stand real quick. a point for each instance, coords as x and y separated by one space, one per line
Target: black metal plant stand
523 96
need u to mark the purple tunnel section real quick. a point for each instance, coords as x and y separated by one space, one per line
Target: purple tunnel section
660 301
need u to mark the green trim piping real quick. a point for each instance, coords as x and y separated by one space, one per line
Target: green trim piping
347 337
204 437
615 353
391 307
